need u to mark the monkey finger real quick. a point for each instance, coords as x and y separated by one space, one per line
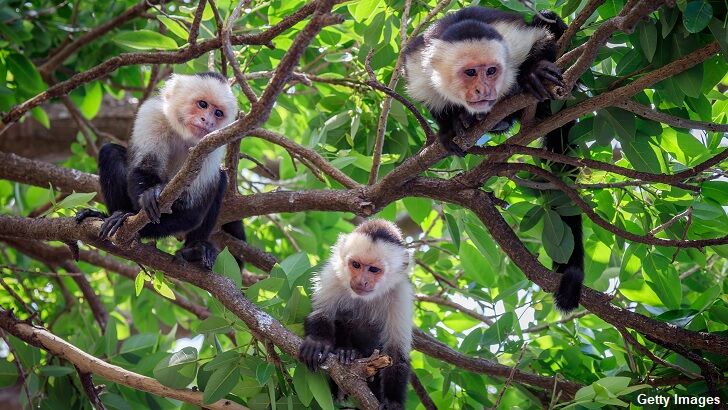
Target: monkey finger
117 224
352 355
539 88
552 78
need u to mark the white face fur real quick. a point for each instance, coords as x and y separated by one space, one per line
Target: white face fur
197 105
358 248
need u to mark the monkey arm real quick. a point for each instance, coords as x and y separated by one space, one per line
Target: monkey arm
319 341
145 185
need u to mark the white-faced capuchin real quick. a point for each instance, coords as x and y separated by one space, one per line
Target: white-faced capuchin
362 300
469 60
188 108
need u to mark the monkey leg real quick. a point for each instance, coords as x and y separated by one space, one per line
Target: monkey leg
394 381
112 179
197 248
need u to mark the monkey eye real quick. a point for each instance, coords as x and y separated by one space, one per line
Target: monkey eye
218 114
356 264
490 71
202 104
374 269
470 72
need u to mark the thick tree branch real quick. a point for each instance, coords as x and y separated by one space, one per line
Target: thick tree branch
41 338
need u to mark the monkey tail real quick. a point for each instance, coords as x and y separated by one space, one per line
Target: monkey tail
572 272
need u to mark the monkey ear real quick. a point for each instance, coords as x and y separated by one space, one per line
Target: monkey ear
169 86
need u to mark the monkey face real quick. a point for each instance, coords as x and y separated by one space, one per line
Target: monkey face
364 274
480 84
203 117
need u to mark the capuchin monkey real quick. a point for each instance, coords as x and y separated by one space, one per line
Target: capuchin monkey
188 108
362 300
468 61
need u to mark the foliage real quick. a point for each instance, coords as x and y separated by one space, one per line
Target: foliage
147 332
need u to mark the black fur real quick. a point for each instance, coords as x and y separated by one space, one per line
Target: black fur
213 74
127 191
350 337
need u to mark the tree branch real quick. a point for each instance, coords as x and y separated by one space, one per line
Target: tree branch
41 338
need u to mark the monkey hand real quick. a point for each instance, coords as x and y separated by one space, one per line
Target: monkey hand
149 201
199 251
387 404
113 223
543 71
88 213
313 352
347 356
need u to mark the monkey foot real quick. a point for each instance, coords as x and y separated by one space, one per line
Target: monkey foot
535 81
347 356
448 142
113 223
88 213
202 252
313 353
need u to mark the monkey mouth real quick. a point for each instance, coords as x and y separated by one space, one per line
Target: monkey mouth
481 104
362 292
199 130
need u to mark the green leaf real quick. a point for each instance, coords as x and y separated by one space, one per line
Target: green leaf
110 337
475 265
221 383
56 371
145 40
300 383
648 39
25 75
223 359
214 324
8 373
91 103
41 116
294 266
161 286
452 228
72 201
697 15
227 266
179 369
663 278
418 208
553 235
715 190
319 386
622 122
720 32
139 342
263 372
531 218
141 277
175 27
642 154
499 331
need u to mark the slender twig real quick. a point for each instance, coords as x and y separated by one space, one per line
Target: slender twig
668 119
